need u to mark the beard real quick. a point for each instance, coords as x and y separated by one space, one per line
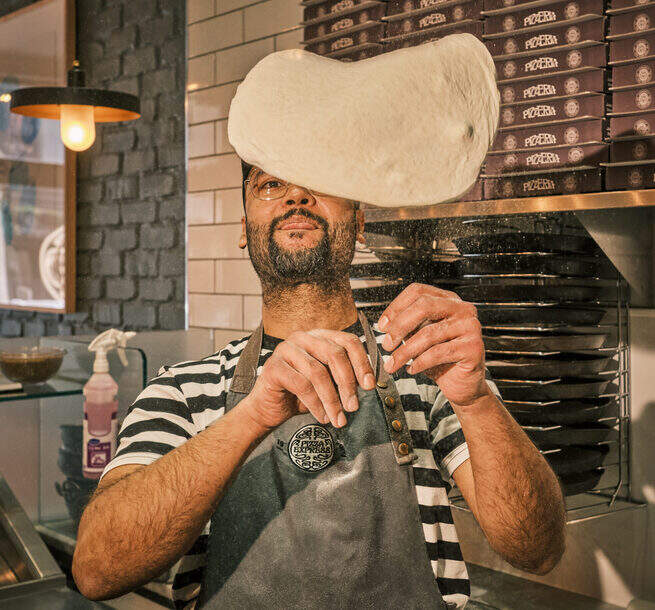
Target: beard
324 265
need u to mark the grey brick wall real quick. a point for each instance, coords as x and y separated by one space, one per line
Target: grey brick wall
131 183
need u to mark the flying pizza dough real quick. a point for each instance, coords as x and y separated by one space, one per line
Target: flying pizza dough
406 128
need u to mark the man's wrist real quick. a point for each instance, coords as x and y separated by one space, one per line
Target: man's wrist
257 430
485 398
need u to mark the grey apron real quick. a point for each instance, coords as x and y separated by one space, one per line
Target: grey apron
319 517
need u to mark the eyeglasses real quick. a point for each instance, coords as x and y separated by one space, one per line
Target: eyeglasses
266 187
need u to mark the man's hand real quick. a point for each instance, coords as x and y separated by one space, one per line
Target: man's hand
316 372
442 336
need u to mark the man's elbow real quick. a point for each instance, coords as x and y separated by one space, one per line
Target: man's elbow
89 579
544 559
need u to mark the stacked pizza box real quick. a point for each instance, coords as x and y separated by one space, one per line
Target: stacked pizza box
550 59
345 29
632 120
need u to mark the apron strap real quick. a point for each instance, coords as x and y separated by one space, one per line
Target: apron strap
392 406
245 373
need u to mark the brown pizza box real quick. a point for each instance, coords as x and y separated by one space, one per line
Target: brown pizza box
618 5
640 45
334 8
539 13
635 98
632 150
630 175
559 84
637 72
372 33
349 23
493 5
586 27
416 38
578 131
632 19
362 51
552 109
475 192
632 126
546 158
443 14
557 59
534 184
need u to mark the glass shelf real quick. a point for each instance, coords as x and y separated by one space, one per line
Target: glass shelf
53 387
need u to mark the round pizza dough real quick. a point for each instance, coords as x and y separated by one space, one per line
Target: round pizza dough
406 128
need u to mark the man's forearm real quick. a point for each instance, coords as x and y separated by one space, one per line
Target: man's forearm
163 509
519 501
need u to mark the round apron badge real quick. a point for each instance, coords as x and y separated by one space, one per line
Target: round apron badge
311 448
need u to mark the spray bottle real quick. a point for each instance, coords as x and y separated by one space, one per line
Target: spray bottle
100 404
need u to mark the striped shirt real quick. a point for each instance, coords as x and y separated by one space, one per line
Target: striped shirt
185 398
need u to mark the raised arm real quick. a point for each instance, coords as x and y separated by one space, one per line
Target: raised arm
511 489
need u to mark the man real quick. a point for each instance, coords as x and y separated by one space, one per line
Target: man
323 468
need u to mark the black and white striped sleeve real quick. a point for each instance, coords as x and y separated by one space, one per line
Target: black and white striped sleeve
157 421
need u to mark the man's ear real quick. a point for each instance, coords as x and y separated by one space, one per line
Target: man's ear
243 240
359 217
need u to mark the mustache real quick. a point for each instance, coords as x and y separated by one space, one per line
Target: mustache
299 212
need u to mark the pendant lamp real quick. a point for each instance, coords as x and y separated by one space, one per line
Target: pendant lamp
78 107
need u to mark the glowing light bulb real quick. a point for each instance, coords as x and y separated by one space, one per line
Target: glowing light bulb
5 97
78 130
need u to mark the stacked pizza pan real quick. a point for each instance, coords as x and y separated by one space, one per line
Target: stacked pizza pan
547 301
632 120
550 59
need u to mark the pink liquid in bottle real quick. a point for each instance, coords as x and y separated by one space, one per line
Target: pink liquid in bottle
100 424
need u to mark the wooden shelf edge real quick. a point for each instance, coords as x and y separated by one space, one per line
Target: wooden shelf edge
528 205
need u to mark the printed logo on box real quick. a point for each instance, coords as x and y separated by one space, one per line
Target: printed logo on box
540 111
509 69
576 155
570 182
543 40
541 63
573 59
510 46
509 23
508 116
641 126
508 95
343 24
543 158
433 19
458 13
509 143
539 17
342 6
572 10
639 150
538 184
641 48
643 74
510 160
635 177
571 135
571 85
571 108
507 188
643 99
641 22
573 34
540 90
540 139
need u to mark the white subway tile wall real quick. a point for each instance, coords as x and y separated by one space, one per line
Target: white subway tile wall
225 39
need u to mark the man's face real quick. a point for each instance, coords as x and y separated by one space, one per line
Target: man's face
297 236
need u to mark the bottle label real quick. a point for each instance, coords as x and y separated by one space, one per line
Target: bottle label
98 450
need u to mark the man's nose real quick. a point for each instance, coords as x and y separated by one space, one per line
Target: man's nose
297 195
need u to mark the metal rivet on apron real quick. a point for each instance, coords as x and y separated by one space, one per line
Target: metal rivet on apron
382 384
403 449
397 425
389 401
